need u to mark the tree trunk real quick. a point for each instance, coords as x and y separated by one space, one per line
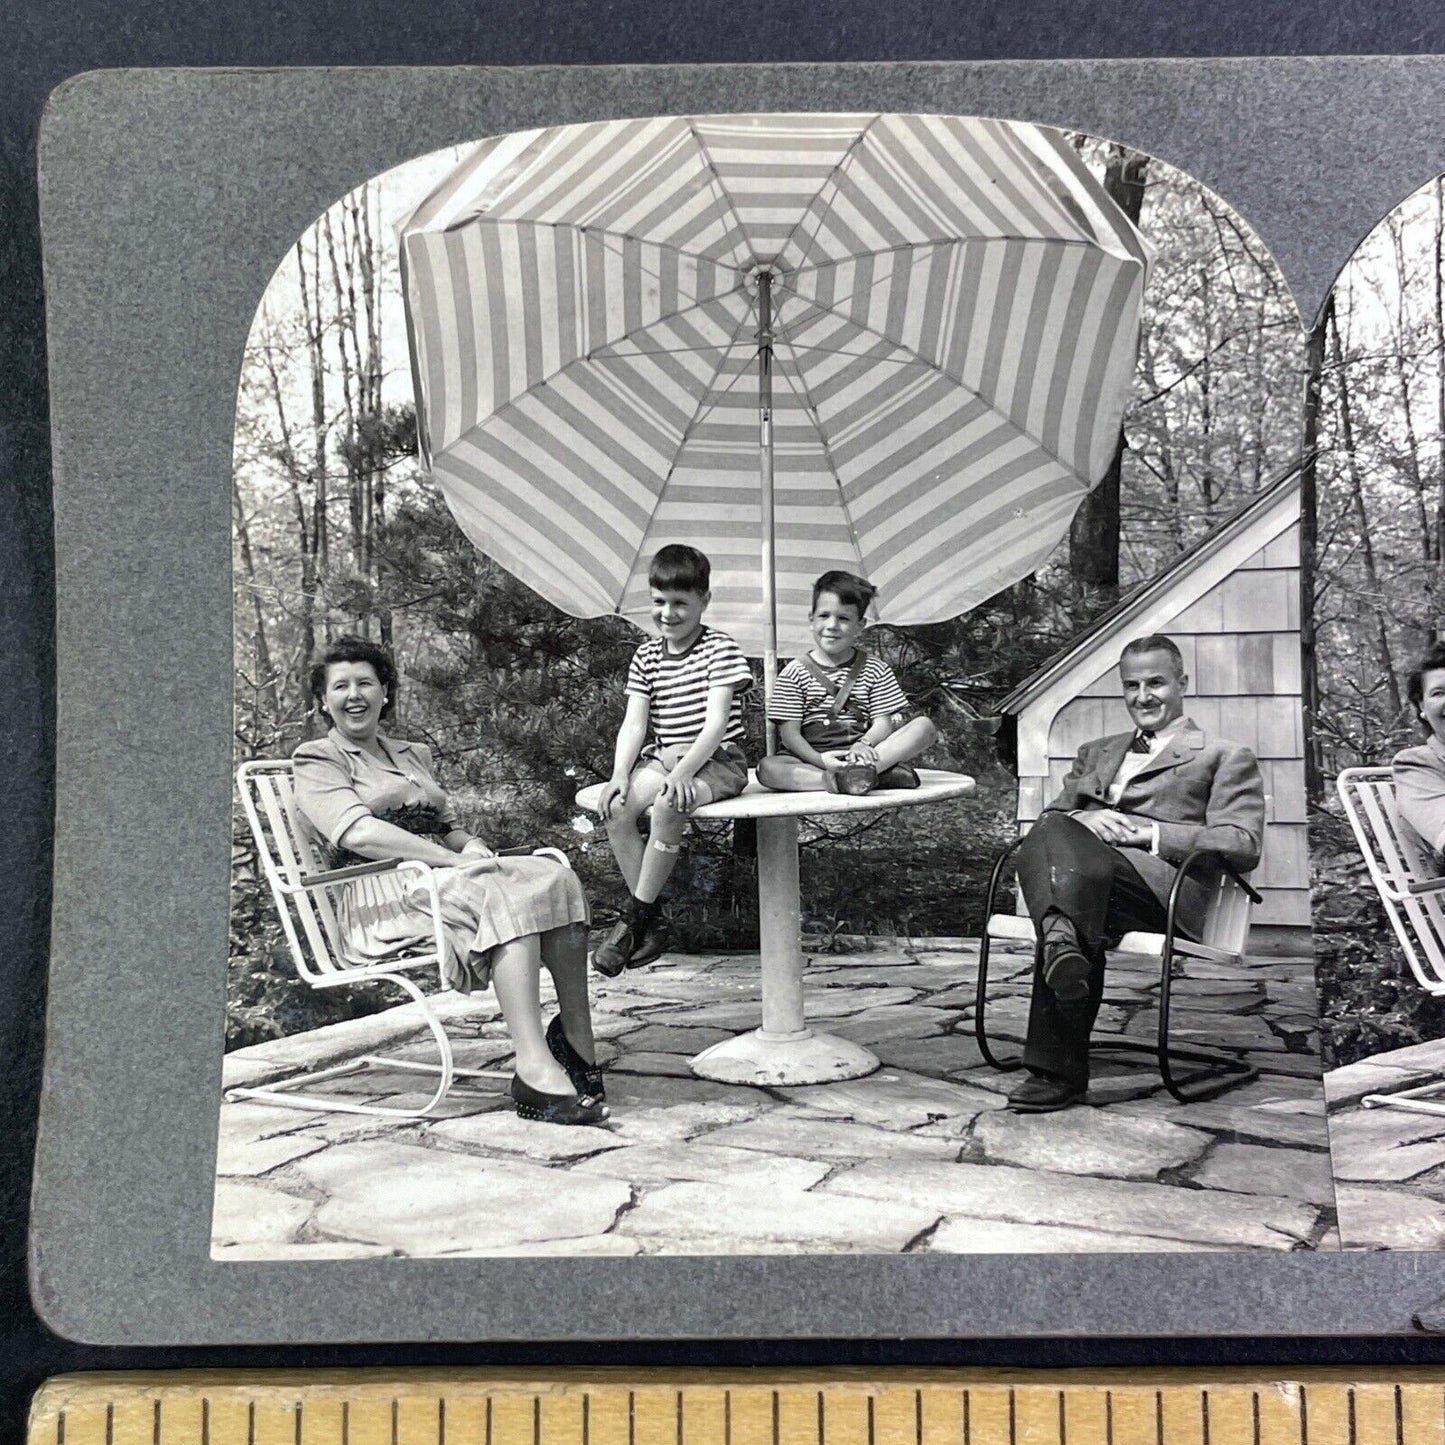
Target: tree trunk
1376 596
1094 533
1439 319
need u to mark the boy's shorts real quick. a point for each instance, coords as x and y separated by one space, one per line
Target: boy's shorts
725 773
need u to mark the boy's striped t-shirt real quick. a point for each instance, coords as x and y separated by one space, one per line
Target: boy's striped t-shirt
799 697
676 685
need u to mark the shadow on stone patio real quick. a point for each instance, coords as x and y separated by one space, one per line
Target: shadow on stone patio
919 1156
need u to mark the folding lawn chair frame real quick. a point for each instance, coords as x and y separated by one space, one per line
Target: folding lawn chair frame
1225 940
304 890
1413 899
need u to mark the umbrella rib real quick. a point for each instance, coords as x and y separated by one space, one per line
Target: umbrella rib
702 408
605 237
830 180
956 381
716 180
800 390
939 242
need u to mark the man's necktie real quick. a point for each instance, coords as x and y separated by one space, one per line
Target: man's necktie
1141 742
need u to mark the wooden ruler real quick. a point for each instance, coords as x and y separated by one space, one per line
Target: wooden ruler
744 1407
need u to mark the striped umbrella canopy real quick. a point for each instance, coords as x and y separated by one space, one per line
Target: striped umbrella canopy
896 344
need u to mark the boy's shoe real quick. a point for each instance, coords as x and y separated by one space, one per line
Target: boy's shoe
614 952
853 781
900 775
652 943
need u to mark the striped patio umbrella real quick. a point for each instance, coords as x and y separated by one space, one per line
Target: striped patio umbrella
897 344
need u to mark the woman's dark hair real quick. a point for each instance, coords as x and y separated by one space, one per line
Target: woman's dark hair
1432 661
350 648
851 591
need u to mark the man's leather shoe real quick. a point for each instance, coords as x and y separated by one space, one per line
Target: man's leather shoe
1066 966
1039 1094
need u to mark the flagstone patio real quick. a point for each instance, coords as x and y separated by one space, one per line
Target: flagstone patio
1389 1162
919 1156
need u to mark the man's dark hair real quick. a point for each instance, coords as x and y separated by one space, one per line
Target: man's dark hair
350 648
1432 661
679 568
1155 642
851 591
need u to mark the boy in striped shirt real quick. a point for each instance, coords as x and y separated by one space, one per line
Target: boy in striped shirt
840 709
684 688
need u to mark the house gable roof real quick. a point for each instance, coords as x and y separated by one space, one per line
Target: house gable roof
1144 598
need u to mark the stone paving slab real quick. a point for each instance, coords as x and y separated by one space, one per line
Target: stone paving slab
428 1202
1258 1169
999 1236
1026 1196
802 1220
705 1162
1389 1162
1086 1141
918 1156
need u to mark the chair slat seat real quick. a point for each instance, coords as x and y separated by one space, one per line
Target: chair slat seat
1015 928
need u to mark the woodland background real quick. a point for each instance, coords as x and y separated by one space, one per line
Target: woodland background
335 531
1374 445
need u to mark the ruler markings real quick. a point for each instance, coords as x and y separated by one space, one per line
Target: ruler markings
697 1408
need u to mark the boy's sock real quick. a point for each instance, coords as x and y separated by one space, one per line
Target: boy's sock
640 914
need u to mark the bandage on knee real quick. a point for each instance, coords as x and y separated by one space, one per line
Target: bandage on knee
665 847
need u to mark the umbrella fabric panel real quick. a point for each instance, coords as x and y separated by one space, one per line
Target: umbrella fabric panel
1045 332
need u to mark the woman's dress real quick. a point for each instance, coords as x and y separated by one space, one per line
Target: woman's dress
484 902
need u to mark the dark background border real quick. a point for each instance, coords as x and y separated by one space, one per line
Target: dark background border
43 45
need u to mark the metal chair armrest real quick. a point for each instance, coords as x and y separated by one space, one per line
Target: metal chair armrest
1425 885
340 875
1212 855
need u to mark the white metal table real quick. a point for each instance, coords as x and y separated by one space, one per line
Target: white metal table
785 1050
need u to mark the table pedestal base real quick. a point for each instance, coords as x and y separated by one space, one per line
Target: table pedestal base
763 1059
785 1050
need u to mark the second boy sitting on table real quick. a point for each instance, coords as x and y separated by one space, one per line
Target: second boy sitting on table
838 707
684 687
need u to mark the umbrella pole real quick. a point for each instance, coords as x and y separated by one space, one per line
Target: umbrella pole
765 468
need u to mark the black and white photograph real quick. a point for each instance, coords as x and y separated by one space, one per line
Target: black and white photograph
771 657
1376 670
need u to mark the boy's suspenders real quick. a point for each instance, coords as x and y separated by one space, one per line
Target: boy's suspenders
837 691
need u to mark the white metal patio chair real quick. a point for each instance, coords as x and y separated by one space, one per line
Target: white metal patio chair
1225 940
1412 896
304 890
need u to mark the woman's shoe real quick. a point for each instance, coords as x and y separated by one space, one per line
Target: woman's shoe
557 1108
586 1078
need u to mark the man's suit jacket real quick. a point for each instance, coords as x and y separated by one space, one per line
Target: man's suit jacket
1203 792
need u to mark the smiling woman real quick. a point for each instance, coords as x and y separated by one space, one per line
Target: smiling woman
368 796
1420 771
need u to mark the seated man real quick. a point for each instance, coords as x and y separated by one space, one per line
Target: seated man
1102 859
